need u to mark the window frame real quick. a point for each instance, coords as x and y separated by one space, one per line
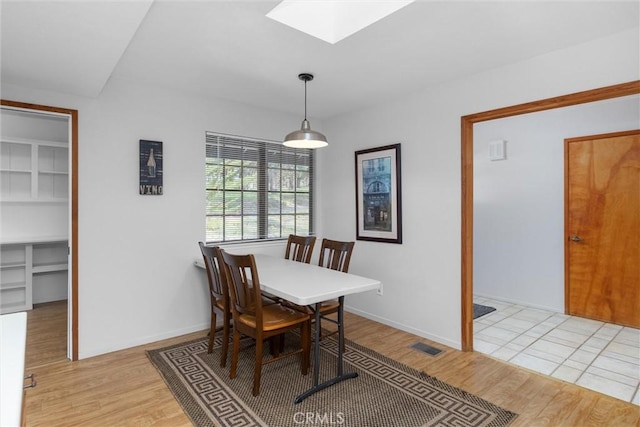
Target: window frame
226 151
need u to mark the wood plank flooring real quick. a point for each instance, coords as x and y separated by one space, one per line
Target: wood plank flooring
123 389
46 334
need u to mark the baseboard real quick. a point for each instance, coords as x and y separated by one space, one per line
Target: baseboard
405 328
144 340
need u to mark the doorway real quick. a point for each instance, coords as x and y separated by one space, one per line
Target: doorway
519 243
467 123
45 176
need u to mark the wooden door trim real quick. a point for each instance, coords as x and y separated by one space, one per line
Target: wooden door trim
567 141
467 122
73 114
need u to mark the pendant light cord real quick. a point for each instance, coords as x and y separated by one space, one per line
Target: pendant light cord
305 100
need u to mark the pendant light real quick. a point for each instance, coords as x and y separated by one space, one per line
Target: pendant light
305 137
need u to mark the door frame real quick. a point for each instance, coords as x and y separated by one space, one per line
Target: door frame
73 241
467 122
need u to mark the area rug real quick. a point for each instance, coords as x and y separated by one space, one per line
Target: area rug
480 310
385 393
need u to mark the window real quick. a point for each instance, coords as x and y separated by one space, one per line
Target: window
257 189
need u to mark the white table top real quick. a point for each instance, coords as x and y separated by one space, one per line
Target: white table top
307 284
13 335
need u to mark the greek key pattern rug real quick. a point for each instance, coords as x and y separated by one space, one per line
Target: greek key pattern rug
385 393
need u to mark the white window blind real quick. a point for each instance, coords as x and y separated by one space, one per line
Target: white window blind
256 189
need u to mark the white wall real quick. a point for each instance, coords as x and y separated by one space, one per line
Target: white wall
421 277
137 280
519 202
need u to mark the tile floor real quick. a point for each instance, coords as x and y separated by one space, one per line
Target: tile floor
596 355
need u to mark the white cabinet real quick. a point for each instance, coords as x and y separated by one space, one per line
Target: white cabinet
34 170
41 263
13 340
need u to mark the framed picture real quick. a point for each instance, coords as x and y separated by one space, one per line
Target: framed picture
378 194
151 171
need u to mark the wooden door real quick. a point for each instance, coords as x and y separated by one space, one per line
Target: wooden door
602 223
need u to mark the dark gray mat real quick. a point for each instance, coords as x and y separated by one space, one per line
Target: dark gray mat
480 310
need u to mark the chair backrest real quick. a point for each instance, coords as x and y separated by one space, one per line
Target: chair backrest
215 275
336 255
300 248
244 285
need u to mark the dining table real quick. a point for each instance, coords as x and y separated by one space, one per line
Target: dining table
310 285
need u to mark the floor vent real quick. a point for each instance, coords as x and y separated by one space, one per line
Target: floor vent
425 348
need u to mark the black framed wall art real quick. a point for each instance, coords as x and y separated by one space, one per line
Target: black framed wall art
151 170
378 194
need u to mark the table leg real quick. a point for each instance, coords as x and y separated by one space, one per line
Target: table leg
340 376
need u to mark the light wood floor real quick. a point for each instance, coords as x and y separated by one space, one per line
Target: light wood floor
123 389
46 334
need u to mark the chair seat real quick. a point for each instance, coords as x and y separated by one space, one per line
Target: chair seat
275 316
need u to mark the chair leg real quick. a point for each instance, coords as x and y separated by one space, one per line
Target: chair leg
258 367
274 346
277 345
225 339
234 356
212 332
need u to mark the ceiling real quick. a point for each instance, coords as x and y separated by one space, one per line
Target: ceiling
231 50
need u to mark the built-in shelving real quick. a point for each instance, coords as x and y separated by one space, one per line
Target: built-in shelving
22 264
34 170
34 208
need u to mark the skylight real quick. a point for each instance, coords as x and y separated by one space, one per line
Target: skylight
333 20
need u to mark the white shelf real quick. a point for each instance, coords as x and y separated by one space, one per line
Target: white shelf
15 285
33 141
34 240
54 173
25 171
12 265
29 201
48 268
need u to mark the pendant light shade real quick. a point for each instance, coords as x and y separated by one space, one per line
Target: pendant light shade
305 137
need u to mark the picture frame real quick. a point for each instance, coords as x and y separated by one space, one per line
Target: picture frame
151 168
379 194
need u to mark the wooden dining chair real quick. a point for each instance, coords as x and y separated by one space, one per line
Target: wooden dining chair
219 293
335 255
254 319
300 248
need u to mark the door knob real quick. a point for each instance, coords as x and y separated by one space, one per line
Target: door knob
576 239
